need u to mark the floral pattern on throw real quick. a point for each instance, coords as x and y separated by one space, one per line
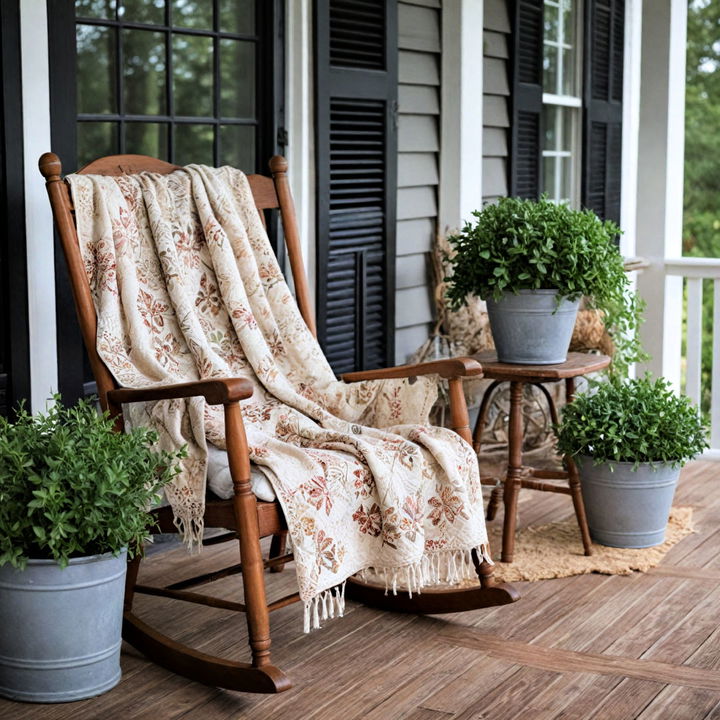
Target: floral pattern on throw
187 287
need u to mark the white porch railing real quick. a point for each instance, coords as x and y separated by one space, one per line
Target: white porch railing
696 271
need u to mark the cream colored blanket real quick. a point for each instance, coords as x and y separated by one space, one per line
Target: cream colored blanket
186 286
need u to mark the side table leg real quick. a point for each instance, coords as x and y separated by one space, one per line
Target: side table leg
578 504
514 472
574 482
482 414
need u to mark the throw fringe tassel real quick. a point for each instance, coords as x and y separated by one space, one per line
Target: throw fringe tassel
448 567
325 605
191 531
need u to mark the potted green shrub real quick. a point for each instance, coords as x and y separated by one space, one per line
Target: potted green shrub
630 438
74 496
532 261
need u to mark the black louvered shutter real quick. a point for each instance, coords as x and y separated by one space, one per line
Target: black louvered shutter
527 107
356 91
603 91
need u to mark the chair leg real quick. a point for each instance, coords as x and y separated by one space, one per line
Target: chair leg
277 549
513 482
133 567
494 502
245 505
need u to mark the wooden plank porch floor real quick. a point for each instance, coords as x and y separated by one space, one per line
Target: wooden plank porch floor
645 646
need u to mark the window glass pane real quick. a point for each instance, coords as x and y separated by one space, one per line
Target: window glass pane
96 87
549 176
568 79
192 75
95 9
146 139
237 146
550 69
144 72
193 14
550 121
568 23
237 79
194 144
95 139
568 139
566 179
237 16
143 11
551 16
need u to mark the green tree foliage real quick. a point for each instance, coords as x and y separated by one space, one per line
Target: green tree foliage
701 225
702 139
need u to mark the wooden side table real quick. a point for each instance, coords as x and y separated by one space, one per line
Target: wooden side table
519 476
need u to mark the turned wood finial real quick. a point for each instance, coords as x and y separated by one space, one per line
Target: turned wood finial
50 166
278 164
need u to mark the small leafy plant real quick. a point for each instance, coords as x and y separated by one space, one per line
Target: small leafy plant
71 486
640 420
521 244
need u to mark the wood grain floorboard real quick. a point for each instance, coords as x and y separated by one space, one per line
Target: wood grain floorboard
589 647
707 575
556 660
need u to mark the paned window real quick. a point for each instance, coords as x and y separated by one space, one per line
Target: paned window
174 79
562 101
566 104
187 81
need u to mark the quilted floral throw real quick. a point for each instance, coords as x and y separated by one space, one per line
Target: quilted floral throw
186 287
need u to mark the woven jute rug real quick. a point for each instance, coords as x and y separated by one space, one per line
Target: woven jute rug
555 550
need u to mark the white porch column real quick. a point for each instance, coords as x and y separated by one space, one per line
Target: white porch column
661 144
462 112
38 216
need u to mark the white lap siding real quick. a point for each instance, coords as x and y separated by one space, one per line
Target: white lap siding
496 96
418 151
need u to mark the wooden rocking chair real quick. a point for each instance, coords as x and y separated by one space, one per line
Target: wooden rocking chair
247 519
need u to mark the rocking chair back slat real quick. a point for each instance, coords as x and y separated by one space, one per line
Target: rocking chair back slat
268 193
115 165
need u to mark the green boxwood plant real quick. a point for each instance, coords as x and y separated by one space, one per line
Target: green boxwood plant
639 421
71 486
521 244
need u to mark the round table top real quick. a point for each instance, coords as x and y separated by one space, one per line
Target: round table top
577 364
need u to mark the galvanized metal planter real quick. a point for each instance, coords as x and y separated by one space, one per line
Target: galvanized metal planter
60 629
531 328
627 508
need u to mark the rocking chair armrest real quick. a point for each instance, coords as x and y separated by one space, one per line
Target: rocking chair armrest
446 368
216 392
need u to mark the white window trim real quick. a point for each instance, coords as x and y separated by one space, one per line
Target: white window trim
38 215
564 100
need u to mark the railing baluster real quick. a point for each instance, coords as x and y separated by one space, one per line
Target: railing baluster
715 396
694 339
695 270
